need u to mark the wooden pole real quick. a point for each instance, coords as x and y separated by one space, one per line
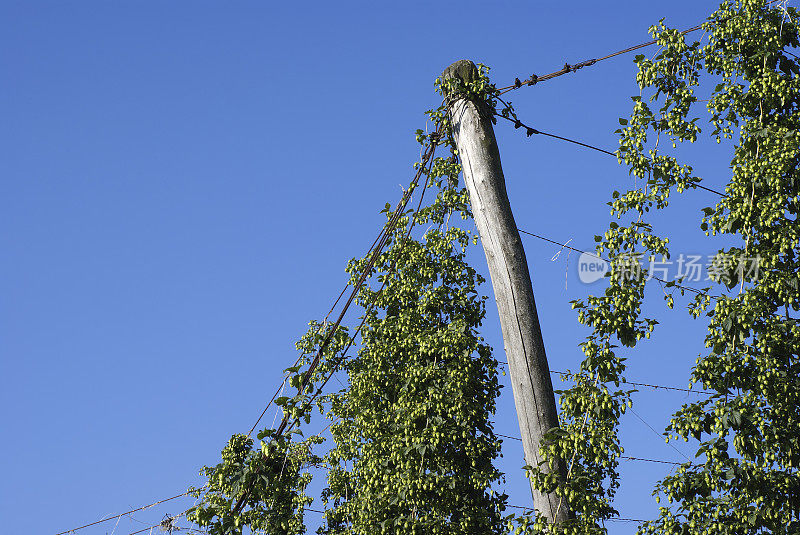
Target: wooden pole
508 268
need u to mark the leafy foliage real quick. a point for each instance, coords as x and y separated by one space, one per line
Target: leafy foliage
748 432
263 488
274 485
414 446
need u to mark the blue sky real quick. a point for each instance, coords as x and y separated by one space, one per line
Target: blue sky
182 184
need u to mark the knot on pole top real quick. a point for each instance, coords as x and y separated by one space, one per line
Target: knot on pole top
462 69
459 76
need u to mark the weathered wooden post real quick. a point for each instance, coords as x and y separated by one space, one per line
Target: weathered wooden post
508 268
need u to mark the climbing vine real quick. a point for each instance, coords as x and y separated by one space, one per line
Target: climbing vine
415 446
263 488
748 433
748 430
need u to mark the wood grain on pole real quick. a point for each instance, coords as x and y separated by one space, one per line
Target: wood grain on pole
508 268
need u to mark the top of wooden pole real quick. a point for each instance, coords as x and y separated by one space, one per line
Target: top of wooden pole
463 69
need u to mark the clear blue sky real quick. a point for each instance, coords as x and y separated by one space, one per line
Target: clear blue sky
182 184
